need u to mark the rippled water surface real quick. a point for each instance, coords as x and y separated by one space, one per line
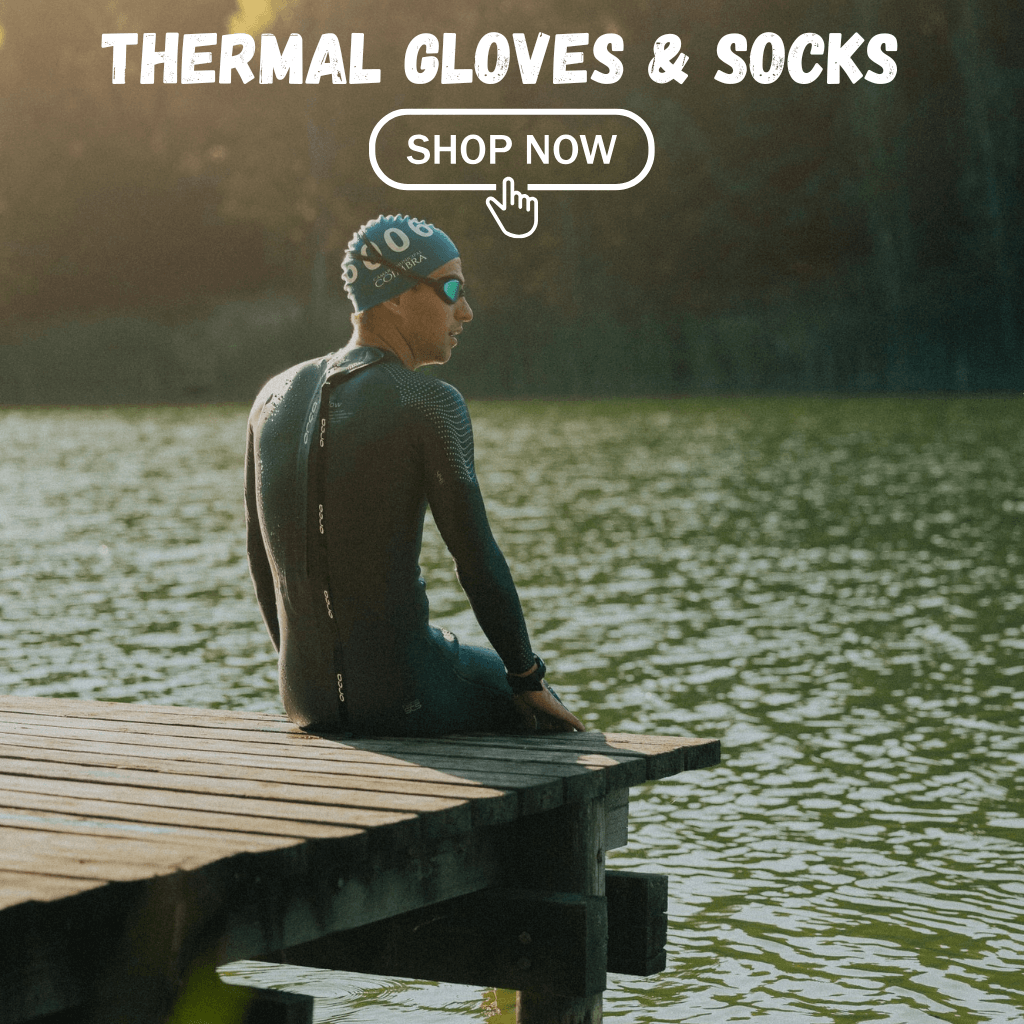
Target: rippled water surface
834 587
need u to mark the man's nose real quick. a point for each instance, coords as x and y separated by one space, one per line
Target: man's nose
463 310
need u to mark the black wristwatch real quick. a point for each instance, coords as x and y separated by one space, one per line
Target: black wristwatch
523 684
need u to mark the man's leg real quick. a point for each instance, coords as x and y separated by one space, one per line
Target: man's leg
473 695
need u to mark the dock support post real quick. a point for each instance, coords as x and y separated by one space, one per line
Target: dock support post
563 851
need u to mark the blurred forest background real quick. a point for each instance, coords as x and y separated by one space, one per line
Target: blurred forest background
181 243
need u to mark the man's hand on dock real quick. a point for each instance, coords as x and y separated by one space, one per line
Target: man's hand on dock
543 711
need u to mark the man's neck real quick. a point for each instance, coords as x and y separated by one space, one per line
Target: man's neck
387 338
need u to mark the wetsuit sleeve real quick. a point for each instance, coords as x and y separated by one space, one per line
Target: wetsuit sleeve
259 564
453 492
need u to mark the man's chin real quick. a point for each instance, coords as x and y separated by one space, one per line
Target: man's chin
439 358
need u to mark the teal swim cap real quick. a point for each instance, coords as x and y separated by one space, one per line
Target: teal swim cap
406 242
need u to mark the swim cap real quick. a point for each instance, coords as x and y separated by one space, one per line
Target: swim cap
411 244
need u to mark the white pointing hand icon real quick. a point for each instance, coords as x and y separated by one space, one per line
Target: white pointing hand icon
511 196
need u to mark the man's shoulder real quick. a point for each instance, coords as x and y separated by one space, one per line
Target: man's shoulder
424 393
296 379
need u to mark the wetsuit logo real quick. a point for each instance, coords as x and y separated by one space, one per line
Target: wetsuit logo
341 692
323 430
310 420
327 601
321 519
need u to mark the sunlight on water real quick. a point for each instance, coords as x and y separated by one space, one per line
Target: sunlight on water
833 587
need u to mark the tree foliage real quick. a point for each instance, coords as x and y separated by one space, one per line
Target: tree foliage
852 235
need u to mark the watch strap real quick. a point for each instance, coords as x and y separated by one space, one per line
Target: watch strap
533 681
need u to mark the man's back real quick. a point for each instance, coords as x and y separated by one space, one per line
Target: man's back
394 440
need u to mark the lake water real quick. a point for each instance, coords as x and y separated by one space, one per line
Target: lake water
834 587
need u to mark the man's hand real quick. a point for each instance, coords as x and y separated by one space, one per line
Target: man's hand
543 711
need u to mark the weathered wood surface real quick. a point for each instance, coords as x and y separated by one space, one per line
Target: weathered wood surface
137 837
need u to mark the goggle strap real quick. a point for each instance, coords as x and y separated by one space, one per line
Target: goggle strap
380 258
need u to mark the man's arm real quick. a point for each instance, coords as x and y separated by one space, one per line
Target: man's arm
458 509
259 564
446 436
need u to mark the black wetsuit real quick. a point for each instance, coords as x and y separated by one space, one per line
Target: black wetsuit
342 595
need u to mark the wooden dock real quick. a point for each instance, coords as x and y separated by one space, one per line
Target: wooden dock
141 846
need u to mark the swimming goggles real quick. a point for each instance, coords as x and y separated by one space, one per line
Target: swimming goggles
449 289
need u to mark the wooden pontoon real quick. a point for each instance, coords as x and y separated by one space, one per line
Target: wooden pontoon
141 846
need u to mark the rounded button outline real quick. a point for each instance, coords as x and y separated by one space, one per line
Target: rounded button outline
513 112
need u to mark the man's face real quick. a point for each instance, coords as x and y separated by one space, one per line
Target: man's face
430 325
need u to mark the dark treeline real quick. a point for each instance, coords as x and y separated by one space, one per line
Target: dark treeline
181 243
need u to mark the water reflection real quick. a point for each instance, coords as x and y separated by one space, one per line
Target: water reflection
834 587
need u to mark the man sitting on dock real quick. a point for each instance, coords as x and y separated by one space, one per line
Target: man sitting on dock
344 454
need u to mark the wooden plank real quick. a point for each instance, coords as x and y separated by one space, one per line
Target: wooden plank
637 922
393 778
192 729
379 885
636 744
382 798
111 858
629 770
397 751
531 750
228 807
240 825
662 755
564 745
74 707
539 789
156 814
25 886
103 868
616 819
354 763
659 751
20 760
619 768
669 755
535 792
17 810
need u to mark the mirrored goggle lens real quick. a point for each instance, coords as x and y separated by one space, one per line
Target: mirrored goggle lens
453 289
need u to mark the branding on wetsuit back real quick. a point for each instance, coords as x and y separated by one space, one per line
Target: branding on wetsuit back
309 424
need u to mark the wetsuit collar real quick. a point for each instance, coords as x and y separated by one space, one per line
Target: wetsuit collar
354 359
